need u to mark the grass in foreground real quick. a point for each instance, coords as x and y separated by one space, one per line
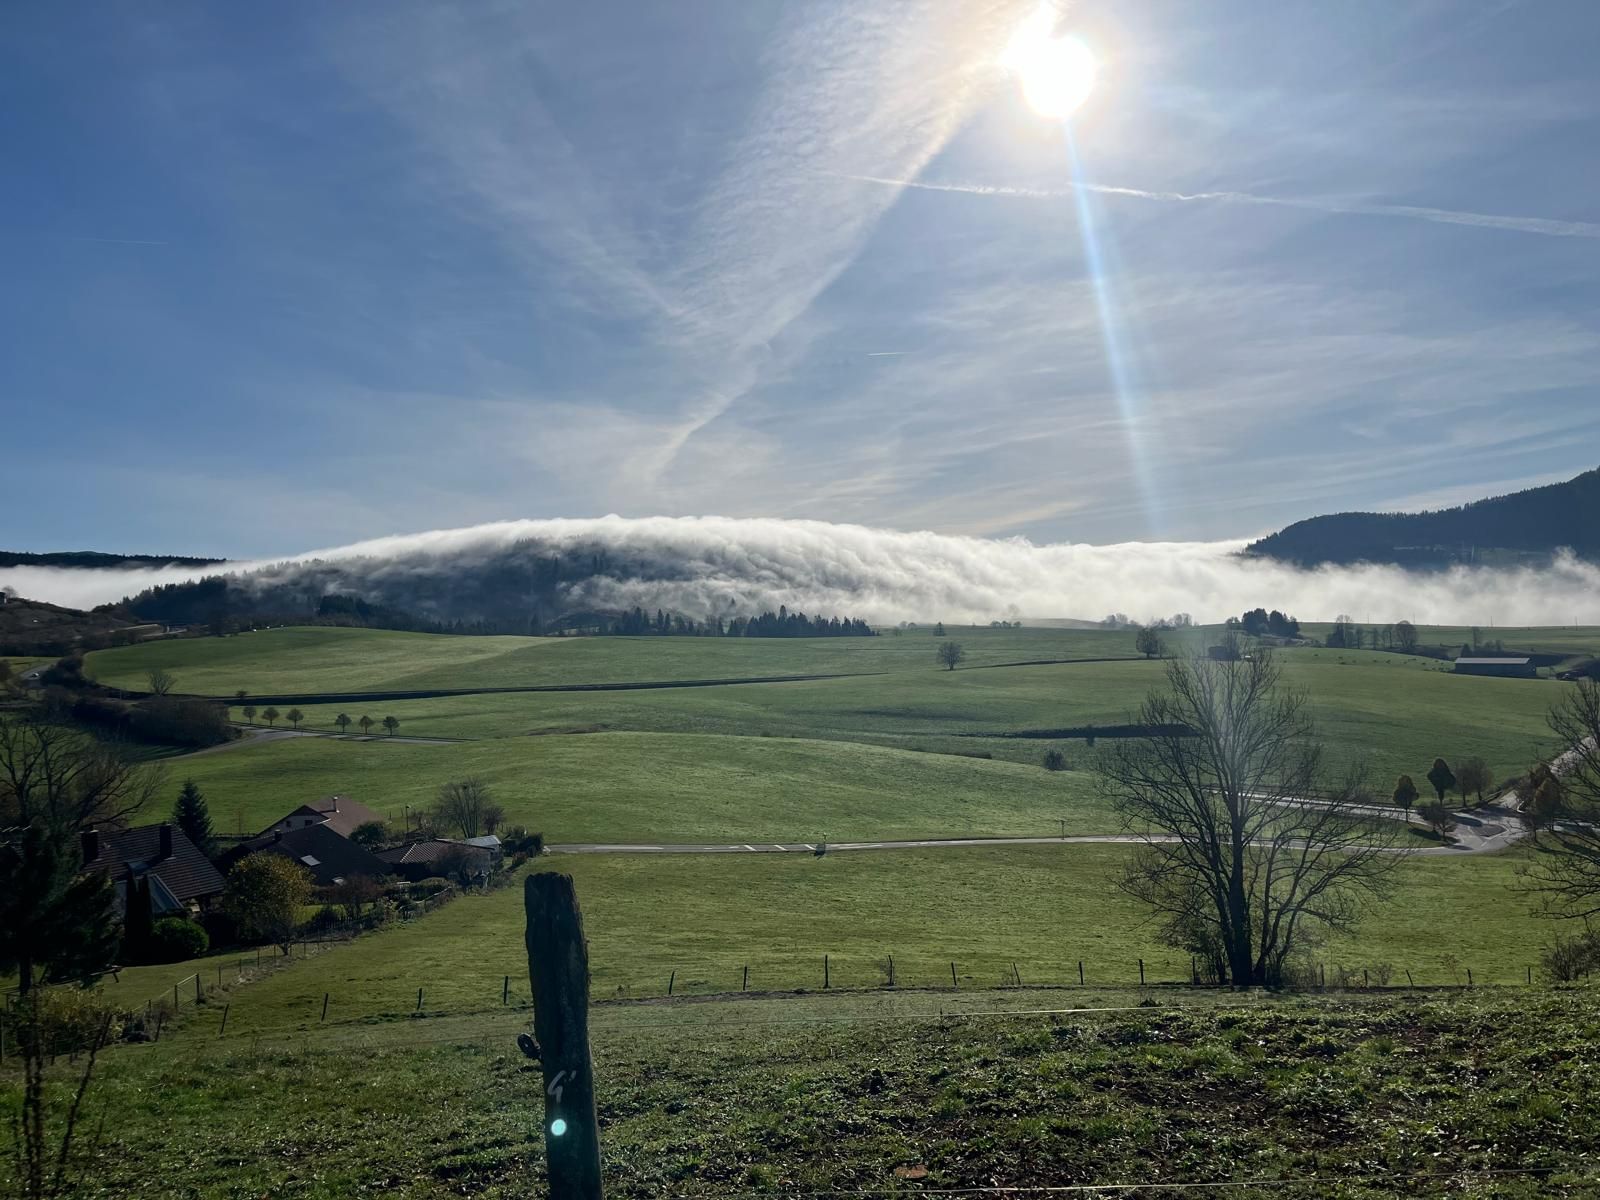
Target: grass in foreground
1481 1095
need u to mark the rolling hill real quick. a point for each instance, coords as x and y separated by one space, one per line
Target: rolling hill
1526 526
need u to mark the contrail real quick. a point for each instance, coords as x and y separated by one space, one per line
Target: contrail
1354 208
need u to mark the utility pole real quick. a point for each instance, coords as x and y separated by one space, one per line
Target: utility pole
558 970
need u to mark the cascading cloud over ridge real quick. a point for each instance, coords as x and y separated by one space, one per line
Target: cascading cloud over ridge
704 565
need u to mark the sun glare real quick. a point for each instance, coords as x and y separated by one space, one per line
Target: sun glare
1056 73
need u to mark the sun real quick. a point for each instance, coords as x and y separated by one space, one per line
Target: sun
1056 73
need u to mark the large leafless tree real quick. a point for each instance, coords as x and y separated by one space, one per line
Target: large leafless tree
467 805
1244 851
1565 809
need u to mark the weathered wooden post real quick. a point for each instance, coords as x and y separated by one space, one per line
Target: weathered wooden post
891 970
1141 972
324 1015
745 986
1080 972
505 991
1469 976
558 971
825 982
954 982
671 980
197 987
223 1028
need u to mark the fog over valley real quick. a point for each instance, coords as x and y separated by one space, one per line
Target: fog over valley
704 566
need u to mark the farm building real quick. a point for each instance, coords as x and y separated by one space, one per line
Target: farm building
1506 668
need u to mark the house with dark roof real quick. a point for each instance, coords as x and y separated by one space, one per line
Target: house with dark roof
339 813
182 880
319 848
439 856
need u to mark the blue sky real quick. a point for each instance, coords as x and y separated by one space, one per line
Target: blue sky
290 275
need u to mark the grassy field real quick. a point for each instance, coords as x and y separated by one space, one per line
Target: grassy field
659 787
1355 1098
794 1091
1396 712
703 919
326 659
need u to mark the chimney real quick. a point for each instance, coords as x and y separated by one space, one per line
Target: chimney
166 840
91 844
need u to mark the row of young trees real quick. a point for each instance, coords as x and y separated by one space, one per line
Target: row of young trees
269 714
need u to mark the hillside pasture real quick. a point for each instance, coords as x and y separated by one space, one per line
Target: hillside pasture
1394 712
333 659
651 787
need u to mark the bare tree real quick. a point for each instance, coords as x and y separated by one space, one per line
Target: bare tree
1473 778
950 655
464 804
1441 818
1236 856
1565 807
160 680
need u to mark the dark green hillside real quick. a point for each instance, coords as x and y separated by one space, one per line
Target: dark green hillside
1537 522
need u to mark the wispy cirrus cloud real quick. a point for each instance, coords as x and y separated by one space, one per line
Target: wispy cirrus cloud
1333 206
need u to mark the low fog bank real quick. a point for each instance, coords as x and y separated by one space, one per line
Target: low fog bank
701 566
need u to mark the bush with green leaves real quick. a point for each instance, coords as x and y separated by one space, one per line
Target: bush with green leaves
173 939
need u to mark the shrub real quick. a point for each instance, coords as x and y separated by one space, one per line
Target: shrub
173 939
1054 760
66 1019
327 917
1569 959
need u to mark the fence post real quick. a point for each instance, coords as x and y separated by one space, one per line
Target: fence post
954 982
224 1028
1530 976
1141 972
1080 972
671 979
419 999
1410 982
174 999
745 987
197 987
1016 974
558 970
324 1015
505 991
161 1019
825 971
219 974
1469 976
891 970
1364 977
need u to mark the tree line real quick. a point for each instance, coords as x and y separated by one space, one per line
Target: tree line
783 623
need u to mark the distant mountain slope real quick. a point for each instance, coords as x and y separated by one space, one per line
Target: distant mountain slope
93 559
1506 529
